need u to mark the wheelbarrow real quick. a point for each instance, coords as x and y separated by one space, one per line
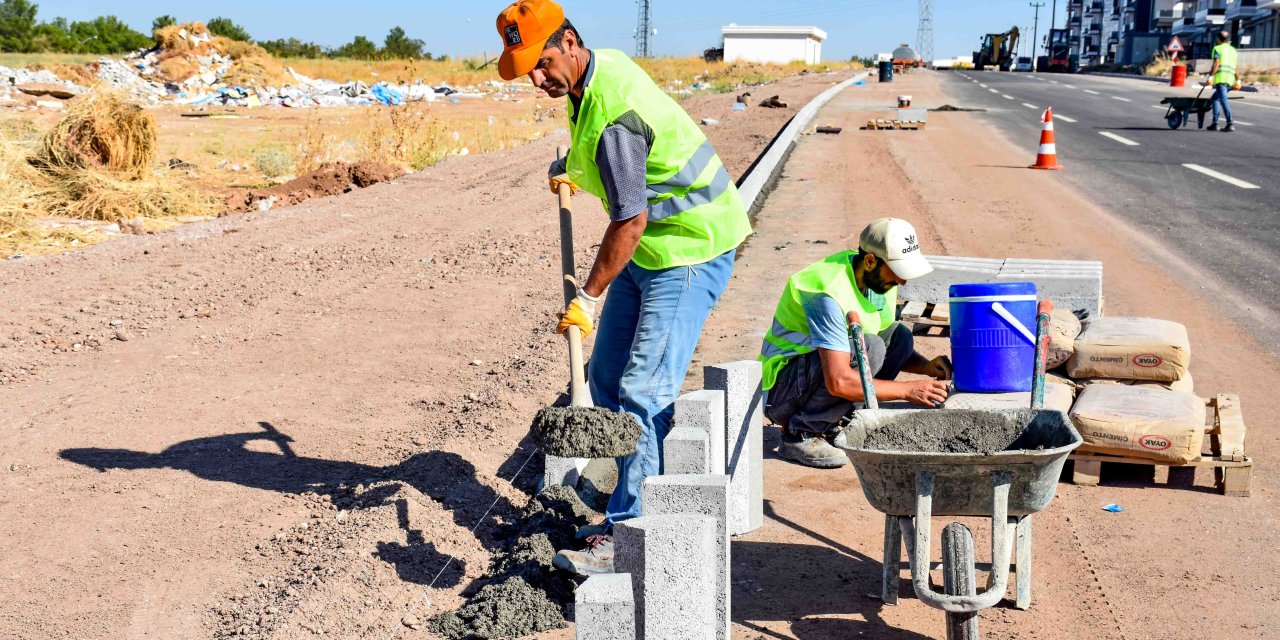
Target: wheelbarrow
1007 484
1180 108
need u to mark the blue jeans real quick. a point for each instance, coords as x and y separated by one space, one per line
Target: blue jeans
648 330
1220 95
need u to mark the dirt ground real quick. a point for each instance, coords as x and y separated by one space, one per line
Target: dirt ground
282 424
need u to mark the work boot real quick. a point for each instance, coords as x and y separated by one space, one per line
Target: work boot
1229 128
587 531
811 451
1212 127
596 559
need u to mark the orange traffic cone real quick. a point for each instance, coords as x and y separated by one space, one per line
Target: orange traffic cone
1047 158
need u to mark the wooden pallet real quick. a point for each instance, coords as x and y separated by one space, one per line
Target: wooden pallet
885 125
927 318
1232 469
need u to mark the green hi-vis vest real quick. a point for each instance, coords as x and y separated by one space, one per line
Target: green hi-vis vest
833 276
1226 56
694 213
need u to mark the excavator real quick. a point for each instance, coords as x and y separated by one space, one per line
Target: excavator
997 50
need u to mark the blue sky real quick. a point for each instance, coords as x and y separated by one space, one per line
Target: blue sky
854 27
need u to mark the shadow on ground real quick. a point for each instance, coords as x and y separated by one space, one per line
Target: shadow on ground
835 578
445 477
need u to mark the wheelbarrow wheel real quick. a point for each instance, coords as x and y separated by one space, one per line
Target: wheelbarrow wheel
1176 119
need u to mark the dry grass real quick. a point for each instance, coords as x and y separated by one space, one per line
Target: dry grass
94 165
44 60
101 130
1160 66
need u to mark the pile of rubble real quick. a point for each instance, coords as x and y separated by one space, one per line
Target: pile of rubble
24 88
190 66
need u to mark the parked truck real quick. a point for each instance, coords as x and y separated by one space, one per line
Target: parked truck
1057 58
997 50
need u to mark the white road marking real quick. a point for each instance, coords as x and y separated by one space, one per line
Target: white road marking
1069 86
1247 124
1054 82
1158 106
1093 92
1064 118
1221 176
1264 106
1121 99
982 84
993 91
1121 139
1028 105
1006 96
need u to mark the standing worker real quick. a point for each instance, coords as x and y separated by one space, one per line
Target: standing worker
675 222
811 379
1222 77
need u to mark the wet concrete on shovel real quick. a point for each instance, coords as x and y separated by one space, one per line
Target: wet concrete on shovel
585 432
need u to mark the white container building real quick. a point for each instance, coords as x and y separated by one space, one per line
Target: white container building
773 44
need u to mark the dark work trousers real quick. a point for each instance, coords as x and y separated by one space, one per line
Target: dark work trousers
799 400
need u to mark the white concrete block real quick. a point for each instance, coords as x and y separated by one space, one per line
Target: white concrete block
686 450
704 410
706 495
672 562
744 440
565 471
605 608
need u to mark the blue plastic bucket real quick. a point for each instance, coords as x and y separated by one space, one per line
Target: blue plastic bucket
993 329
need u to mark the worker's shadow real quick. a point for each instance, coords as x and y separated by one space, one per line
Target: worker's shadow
445 477
808 584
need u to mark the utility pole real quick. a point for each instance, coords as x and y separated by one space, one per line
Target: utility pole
924 32
1034 29
643 28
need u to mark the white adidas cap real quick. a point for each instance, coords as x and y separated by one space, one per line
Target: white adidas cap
894 241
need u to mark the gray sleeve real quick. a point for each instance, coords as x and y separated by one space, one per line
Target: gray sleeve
622 154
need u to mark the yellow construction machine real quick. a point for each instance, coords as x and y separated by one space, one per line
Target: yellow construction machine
997 50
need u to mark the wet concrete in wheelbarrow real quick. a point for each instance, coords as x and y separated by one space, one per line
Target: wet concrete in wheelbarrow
956 431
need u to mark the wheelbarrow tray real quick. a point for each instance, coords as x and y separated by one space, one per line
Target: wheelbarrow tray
962 481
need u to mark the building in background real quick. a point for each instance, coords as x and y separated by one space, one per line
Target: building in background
1131 32
773 44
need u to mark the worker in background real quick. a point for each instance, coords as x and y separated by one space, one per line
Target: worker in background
1222 77
675 221
810 376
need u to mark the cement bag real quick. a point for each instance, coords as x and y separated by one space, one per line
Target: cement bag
1064 328
1056 396
1131 349
1184 384
1145 423
1053 378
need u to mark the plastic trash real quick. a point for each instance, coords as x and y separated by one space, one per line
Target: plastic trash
1113 508
383 93
738 106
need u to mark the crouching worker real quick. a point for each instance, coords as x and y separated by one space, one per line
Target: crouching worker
810 375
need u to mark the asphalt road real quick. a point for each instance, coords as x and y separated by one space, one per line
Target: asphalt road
1222 214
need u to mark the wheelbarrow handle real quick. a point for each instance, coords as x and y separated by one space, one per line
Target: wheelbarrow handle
917 537
864 370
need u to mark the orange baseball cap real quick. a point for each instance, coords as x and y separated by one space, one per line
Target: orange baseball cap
525 27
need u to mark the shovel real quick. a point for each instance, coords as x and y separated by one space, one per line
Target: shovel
582 429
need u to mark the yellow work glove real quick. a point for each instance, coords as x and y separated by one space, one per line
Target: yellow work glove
555 181
581 313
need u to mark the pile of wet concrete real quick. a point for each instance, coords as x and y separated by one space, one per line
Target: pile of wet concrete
522 593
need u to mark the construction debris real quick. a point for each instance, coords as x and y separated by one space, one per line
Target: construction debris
884 125
773 102
829 129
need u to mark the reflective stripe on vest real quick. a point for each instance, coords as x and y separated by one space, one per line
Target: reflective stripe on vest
1226 56
695 213
789 335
